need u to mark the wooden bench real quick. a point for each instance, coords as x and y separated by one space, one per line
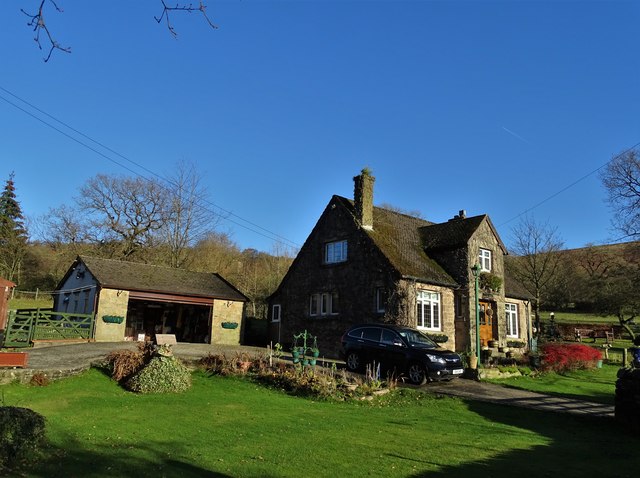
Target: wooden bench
594 334
14 359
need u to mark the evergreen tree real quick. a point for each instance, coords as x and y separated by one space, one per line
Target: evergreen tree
13 235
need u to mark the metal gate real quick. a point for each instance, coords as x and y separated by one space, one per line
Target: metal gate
26 325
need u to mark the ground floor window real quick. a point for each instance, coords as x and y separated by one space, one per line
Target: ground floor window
323 304
275 313
512 320
428 316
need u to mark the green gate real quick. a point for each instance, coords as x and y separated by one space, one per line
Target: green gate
26 325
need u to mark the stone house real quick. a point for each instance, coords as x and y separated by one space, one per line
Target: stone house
133 301
363 263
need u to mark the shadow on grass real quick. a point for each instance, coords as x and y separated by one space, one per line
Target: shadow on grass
74 460
578 447
594 397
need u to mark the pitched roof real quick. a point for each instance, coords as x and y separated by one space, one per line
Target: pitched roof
6 283
145 277
455 233
398 237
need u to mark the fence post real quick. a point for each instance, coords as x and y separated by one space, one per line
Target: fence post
624 357
37 291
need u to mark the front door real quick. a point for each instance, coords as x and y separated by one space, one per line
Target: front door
487 320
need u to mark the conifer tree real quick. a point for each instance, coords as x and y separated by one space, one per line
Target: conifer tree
13 235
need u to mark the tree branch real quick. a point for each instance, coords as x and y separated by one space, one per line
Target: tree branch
202 8
39 25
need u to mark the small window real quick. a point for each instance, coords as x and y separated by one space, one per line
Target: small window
485 260
511 311
275 313
381 299
335 252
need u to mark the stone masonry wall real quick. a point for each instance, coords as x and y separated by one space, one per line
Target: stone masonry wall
111 302
227 311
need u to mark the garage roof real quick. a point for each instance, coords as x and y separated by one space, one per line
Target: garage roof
146 277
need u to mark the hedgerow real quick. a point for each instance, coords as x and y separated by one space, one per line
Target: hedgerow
566 357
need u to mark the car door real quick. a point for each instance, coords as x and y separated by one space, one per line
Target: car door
393 351
371 345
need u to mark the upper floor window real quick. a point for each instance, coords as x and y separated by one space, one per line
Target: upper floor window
485 260
275 313
428 316
324 304
335 252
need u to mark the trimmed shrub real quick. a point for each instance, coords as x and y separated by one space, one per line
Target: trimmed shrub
21 434
566 357
161 375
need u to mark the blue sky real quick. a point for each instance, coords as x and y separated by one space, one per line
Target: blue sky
491 107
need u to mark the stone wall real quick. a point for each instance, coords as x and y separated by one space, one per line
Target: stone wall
227 311
111 302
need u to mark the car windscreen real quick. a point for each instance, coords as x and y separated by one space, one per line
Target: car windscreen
417 339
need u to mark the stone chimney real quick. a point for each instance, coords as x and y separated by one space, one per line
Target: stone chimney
363 198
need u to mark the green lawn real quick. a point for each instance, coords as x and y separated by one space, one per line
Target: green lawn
230 427
43 303
579 318
597 385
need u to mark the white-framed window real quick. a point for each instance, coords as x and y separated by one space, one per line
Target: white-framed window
326 303
381 299
485 260
511 311
275 313
335 252
428 316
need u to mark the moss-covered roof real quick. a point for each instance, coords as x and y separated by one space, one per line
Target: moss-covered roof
149 278
398 236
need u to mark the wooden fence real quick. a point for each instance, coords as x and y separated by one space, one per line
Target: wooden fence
26 325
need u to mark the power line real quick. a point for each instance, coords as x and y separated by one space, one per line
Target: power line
252 226
549 198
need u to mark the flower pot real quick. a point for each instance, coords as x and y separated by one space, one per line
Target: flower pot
473 362
315 353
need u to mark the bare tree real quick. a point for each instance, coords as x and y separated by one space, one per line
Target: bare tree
188 218
123 211
616 292
41 29
538 255
621 179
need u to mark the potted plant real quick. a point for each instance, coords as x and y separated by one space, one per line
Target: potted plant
438 338
516 344
315 352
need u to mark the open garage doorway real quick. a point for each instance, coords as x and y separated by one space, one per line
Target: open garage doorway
188 322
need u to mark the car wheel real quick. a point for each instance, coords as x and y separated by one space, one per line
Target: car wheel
417 374
353 361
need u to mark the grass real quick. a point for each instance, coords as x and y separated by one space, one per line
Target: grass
596 385
579 318
42 303
231 427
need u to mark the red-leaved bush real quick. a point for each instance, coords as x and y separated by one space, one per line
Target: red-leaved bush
565 357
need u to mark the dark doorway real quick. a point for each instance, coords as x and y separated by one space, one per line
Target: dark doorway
188 322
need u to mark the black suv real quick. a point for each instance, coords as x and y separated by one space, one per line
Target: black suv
402 349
